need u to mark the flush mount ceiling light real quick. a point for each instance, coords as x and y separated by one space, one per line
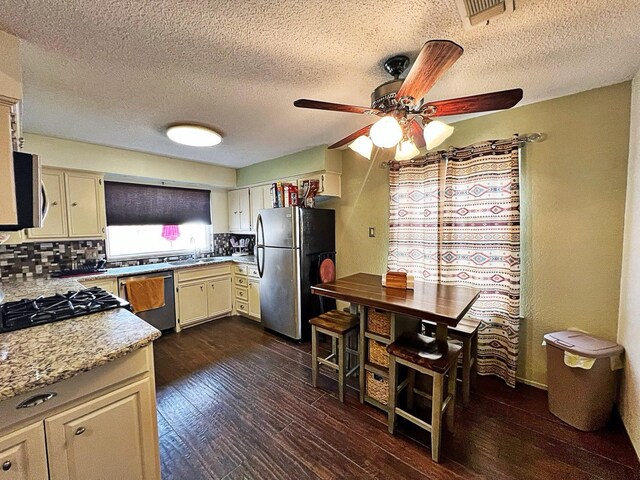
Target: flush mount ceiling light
193 135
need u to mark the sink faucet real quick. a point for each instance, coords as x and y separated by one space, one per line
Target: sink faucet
192 242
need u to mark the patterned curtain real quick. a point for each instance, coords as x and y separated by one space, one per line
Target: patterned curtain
455 219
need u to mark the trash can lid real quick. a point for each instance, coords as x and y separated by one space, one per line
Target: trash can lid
583 344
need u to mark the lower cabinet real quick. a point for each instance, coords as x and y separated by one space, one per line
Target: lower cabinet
254 298
98 425
219 296
104 438
192 303
202 293
23 454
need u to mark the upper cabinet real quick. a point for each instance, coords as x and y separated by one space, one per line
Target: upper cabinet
10 96
330 185
260 197
239 210
76 206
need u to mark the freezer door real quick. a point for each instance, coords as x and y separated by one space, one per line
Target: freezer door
280 291
278 228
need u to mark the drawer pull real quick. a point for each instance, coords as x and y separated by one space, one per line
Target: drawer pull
80 430
36 400
6 465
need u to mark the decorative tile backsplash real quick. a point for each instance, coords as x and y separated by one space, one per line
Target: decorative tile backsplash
41 259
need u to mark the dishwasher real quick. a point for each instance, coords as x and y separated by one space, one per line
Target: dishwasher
162 318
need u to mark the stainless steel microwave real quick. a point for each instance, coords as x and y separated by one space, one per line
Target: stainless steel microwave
31 198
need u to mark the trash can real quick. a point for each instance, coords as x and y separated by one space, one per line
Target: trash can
582 373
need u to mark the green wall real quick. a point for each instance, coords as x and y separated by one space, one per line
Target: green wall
315 159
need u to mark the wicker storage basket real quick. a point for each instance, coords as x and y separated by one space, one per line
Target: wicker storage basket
378 353
378 388
379 322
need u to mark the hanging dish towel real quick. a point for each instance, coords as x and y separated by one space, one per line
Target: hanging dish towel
146 294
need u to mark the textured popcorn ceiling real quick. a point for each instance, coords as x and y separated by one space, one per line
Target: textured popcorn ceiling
116 72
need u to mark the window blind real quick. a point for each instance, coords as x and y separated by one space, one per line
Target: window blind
137 204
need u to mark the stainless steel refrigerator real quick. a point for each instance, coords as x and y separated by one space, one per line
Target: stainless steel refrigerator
291 244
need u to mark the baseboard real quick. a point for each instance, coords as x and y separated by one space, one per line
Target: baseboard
531 383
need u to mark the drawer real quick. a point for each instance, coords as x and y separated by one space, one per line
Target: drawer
242 307
242 293
253 271
240 269
198 273
82 386
241 281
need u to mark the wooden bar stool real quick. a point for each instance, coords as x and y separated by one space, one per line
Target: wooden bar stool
466 332
339 326
437 359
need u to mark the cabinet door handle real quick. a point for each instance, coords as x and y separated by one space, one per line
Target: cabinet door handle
53 204
36 400
201 287
80 430
6 465
74 204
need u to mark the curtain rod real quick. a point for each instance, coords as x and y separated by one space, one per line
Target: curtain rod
521 139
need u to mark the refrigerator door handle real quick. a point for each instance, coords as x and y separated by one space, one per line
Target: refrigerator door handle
260 248
259 230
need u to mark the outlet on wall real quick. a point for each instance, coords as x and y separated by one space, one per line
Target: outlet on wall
372 231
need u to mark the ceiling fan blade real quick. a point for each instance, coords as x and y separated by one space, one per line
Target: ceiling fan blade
435 58
334 107
474 103
352 137
416 134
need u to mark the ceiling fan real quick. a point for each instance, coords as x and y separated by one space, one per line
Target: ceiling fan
407 120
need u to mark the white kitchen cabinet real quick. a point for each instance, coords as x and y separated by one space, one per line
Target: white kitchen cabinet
202 293
23 454
76 206
260 199
192 301
247 291
10 95
104 438
85 200
99 424
239 210
329 184
108 284
55 223
219 296
254 298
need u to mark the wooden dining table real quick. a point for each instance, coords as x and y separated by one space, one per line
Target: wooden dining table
444 305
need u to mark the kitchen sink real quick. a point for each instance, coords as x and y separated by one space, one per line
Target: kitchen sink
193 261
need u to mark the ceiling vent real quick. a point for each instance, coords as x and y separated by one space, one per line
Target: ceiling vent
479 12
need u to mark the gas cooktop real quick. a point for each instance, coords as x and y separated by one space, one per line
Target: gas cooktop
29 313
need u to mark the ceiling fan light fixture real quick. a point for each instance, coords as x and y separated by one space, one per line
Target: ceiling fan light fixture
362 145
406 150
193 135
386 132
436 132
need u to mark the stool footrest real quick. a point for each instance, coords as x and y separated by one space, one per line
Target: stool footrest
413 419
324 361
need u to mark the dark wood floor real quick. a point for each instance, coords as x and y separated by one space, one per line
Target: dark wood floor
236 402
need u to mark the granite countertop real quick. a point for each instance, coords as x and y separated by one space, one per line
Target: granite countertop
35 357
159 267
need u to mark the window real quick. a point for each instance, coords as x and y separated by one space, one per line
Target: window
152 220
135 241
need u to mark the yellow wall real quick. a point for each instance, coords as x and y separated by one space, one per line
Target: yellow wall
629 320
573 209
118 163
56 152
